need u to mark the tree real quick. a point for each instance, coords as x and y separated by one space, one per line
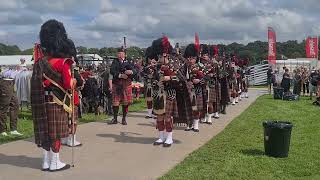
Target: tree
93 50
82 50
27 52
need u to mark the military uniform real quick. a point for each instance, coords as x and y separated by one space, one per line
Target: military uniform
8 101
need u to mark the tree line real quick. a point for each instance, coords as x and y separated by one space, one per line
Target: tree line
256 51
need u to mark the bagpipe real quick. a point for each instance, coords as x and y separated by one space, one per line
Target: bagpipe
160 86
127 66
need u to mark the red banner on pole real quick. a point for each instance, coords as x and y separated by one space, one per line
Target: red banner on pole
215 50
312 47
272 53
197 43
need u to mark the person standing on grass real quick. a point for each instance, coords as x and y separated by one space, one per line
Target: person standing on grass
313 78
8 101
285 84
269 78
297 82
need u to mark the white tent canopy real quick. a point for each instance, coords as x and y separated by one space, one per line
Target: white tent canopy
15 59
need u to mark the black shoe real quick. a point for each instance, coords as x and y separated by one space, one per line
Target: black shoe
124 122
45 169
148 117
166 145
157 143
62 169
195 130
113 121
210 123
187 129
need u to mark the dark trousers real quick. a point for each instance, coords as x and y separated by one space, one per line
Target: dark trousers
8 102
305 88
108 98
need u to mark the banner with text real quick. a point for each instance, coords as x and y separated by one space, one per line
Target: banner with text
272 46
312 47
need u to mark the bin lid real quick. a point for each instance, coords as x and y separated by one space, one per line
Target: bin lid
278 124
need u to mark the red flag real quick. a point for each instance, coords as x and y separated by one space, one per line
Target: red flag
312 47
197 43
272 46
215 50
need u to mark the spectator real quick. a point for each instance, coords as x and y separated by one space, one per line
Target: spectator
269 78
285 84
297 82
314 76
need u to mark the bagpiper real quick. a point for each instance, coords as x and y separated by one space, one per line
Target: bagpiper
149 71
195 77
51 99
164 93
213 88
122 73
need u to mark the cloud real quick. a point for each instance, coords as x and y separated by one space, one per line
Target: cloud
98 23
23 18
9 5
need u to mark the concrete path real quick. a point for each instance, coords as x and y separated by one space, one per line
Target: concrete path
115 152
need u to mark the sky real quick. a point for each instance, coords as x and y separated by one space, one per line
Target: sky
104 23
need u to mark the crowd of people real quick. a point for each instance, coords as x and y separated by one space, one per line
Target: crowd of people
301 81
180 88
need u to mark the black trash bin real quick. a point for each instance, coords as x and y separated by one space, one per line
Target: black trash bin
277 136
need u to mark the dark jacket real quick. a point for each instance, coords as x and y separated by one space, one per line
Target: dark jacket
118 67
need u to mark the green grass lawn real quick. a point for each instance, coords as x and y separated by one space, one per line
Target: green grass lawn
25 125
238 151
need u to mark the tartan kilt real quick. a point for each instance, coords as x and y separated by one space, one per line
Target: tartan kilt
218 96
148 93
171 109
124 95
184 105
57 121
213 95
199 102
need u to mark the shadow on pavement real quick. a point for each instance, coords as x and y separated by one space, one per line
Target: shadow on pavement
146 124
21 161
125 137
137 115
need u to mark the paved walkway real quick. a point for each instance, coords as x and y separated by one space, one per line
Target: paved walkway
115 152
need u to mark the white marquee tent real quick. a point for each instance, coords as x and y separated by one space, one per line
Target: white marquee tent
15 59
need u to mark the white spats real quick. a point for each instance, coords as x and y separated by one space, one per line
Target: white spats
69 142
16 133
196 124
72 141
46 160
209 118
161 136
237 100
233 101
246 95
150 113
4 134
169 139
56 164
216 115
